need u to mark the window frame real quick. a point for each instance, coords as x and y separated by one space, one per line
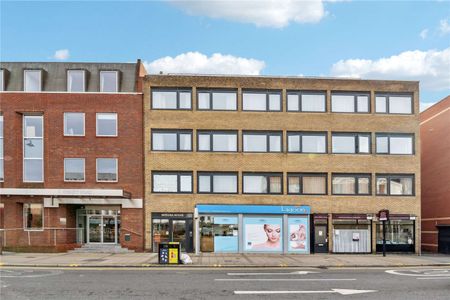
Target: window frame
268 134
24 116
177 91
179 174
356 176
211 100
84 79
355 102
211 175
117 170
96 124
101 83
306 133
301 175
178 132
356 136
267 93
389 135
267 175
211 133
300 94
65 123
84 169
25 221
40 80
387 102
390 176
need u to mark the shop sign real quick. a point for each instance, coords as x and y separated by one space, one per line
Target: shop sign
350 217
253 209
383 215
172 215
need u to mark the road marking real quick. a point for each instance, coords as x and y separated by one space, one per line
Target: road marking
285 274
28 273
435 278
421 273
339 291
284 279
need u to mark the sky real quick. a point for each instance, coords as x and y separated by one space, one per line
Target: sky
401 40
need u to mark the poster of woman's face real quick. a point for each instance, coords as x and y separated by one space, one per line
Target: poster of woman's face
263 234
298 235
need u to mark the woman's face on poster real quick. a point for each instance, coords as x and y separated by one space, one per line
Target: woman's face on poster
272 232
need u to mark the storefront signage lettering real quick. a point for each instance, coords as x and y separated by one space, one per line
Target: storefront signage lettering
253 209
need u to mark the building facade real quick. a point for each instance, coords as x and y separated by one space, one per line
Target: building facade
435 139
246 164
72 160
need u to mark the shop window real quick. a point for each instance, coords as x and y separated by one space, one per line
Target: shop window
33 148
307 142
263 234
307 183
221 183
76 81
306 101
262 141
32 80
171 140
393 104
395 185
399 233
350 143
106 124
257 183
216 100
74 169
350 102
395 143
217 141
349 184
171 99
172 182
261 101
73 124
219 234
107 170
33 216
109 81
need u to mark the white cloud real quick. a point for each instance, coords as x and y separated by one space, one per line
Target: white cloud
430 67
265 13
62 54
196 62
423 34
444 27
425 105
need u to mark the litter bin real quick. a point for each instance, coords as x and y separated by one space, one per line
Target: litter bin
169 253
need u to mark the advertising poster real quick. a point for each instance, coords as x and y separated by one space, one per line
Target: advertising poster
298 235
263 234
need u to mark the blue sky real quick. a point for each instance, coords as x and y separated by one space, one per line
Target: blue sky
367 39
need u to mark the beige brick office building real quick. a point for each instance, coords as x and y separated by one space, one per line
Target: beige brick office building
281 165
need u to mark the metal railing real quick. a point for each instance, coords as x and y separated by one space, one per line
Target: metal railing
40 237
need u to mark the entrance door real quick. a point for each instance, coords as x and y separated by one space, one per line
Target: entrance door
444 239
179 233
109 229
95 229
320 239
173 230
102 229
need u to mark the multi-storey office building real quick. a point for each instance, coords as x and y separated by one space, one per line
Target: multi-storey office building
279 164
71 161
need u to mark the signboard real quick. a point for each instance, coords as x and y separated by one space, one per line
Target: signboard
254 209
383 215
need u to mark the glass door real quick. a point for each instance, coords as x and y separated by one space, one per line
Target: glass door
160 232
109 229
95 229
179 233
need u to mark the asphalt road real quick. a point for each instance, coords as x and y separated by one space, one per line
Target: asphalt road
220 283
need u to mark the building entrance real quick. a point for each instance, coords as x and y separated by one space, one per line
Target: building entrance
172 227
100 226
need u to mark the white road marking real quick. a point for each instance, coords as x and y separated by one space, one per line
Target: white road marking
276 273
284 279
435 278
339 291
27 273
421 273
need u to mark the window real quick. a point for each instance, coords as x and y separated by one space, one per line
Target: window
75 81
107 170
74 124
395 143
2 172
262 141
261 101
350 142
217 141
351 184
33 148
171 99
171 140
221 183
398 232
32 80
33 216
350 102
216 100
307 142
307 183
393 104
259 183
306 101
395 185
74 169
106 124
172 182
109 81
2 80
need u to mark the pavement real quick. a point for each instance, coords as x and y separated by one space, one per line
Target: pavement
139 260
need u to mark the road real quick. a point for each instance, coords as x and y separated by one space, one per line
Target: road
221 283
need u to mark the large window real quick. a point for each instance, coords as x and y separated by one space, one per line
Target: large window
106 124
307 183
395 143
307 142
217 141
171 99
216 100
2 172
33 148
33 216
306 101
32 80
351 184
74 169
107 169
395 185
350 142
221 183
350 102
263 183
76 81
171 140
172 182
109 81
398 232
74 124
393 104
261 101
262 141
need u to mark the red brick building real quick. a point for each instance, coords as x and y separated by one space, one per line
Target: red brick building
435 139
71 169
